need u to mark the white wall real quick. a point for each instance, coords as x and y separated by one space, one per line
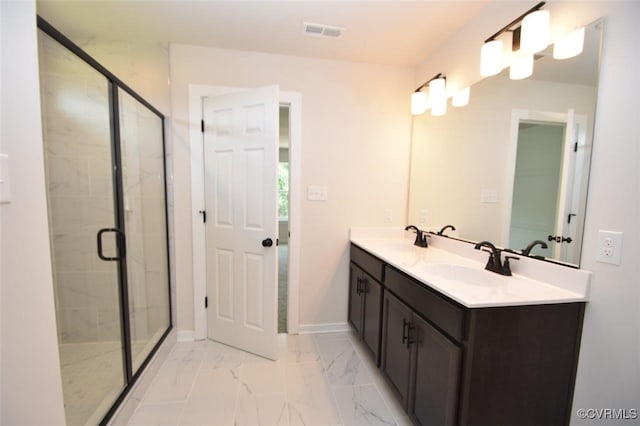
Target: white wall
609 365
355 140
31 384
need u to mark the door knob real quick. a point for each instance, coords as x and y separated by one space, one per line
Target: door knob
267 242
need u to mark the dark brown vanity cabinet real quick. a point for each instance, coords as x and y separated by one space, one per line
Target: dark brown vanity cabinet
453 365
421 364
365 298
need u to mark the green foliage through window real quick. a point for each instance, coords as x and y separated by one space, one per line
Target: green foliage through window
283 190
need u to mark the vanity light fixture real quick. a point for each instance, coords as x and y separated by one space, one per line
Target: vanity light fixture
461 97
492 56
420 102
570 45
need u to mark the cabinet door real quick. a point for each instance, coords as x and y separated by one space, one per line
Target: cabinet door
435 377
371 317
355 299
396 352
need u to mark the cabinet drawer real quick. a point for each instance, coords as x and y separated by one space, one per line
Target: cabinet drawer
370 264
446 315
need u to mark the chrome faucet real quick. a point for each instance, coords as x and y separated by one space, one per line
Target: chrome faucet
527 250
494 264
420 241
444 228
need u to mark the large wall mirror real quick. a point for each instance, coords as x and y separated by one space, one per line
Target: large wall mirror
512 166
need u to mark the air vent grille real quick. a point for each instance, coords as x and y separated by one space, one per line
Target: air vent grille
320 30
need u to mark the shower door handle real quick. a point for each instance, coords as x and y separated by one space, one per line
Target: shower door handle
120 243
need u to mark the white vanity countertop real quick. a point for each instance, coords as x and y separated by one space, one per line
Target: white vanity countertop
455 269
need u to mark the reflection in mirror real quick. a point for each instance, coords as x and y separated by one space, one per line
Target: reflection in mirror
512 166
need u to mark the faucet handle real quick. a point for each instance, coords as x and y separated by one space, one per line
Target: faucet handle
506 266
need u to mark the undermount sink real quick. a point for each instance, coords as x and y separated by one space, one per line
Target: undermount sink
463 274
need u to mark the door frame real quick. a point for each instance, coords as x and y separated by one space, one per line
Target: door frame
294 101
518 115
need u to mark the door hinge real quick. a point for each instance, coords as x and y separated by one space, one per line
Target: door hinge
575 147
202 126
204 215
206 302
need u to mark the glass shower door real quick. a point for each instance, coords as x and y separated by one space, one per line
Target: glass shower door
143 181
81 203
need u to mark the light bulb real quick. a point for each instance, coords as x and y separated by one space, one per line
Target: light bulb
521 65
419 103
570 45
491 58
438 96
535 32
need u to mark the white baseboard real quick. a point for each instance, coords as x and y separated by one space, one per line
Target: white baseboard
185 336
323 328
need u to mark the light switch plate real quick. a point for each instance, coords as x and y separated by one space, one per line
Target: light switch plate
609 247
317 193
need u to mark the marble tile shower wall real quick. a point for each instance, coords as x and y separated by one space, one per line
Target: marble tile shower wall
143 66
80 197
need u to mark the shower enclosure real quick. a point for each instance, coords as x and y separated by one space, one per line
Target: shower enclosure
106 193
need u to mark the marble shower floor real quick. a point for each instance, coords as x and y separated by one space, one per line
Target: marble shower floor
320 379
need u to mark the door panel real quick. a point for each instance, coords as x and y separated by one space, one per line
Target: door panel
436 377
223 191
241 153
223 284
396 353
372 314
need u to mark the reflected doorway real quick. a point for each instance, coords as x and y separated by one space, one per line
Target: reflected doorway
283 218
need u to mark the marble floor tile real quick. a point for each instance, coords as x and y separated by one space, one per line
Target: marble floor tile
319 380
262 409
342 363
301 348
309 394
157 414
362 405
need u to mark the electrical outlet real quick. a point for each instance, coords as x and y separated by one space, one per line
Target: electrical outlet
423 216
609 247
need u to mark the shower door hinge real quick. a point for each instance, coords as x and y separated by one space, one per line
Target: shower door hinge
202 126
206 302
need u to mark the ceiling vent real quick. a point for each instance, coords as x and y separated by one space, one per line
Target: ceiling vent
320 30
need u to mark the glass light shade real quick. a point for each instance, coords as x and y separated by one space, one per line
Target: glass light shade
535 31
461 98
438 96
521 65
491 58
570 45
419 103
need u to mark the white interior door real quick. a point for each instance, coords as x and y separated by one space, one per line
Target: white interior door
241 158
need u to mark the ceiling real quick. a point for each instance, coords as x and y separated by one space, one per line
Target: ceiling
392 32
